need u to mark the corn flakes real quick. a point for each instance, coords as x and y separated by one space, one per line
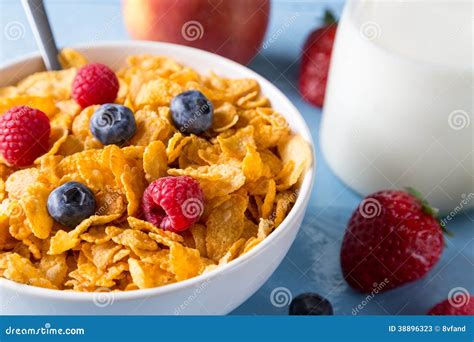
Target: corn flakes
249 166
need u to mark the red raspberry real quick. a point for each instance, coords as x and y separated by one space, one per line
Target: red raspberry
24 135
173 203
95 84
392 238
459 305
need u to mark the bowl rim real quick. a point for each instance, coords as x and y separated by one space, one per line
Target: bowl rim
304 192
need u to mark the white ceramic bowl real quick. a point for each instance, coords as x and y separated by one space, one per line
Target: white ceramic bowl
217 292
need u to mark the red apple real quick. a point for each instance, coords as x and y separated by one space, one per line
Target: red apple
231 28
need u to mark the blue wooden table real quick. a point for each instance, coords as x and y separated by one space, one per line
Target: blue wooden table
313 261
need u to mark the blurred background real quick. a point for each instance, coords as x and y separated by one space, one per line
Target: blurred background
313 262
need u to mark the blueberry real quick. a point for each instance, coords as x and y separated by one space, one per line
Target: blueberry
310 304
113 124
71 203
192 112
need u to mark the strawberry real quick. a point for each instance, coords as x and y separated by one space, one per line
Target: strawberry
393 237
461 304
315 60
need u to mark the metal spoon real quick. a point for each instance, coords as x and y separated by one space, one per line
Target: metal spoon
39 23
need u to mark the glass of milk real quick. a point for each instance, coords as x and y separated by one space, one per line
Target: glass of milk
399 103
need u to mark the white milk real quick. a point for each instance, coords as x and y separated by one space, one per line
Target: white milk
399 102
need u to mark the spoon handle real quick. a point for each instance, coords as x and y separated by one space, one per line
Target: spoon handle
39 23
